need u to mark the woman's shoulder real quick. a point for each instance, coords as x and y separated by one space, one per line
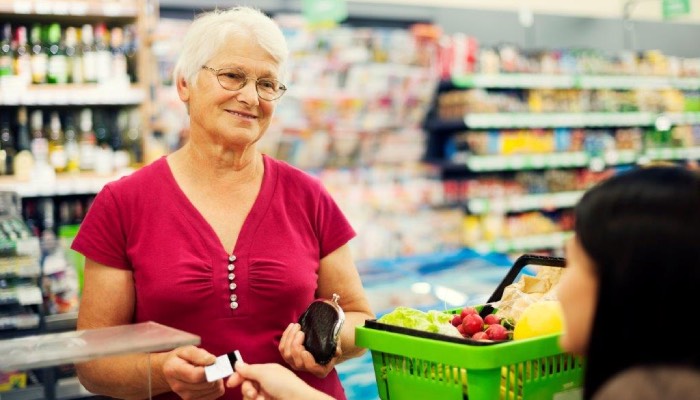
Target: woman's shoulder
287 172
651 383
144 177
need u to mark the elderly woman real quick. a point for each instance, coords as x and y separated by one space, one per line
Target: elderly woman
216 238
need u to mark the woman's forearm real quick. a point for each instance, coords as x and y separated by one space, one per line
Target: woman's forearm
347 335
125 377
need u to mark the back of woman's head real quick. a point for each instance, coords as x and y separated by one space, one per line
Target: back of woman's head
642 231
211 31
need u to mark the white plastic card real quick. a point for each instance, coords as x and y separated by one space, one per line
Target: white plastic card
223 366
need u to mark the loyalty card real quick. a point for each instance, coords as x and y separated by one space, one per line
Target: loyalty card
223 366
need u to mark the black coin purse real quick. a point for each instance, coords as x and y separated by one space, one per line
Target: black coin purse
321 323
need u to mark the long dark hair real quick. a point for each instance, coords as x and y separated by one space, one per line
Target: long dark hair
642 230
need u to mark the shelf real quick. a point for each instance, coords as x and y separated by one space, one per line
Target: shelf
555 120
522 162
525 243
19 325
22 295
527 161
543 201
22 266
64 185
518 81
66 388
34 392
113 9
61 322
636 82
671 154
68 95
554 81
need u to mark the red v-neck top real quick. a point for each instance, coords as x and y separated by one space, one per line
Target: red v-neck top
182 274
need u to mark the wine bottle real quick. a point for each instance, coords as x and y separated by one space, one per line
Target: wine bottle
24 160
39 55
6 148
57 71
57 151
6 57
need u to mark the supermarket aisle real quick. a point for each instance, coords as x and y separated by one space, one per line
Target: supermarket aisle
435 281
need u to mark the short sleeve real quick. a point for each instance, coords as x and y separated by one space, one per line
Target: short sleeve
334 228
102 236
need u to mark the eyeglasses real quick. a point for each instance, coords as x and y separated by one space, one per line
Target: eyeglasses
232 79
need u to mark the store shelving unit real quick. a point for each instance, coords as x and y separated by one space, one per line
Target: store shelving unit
134 93
112 93
474 166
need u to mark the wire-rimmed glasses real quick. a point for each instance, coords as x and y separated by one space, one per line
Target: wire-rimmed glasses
233 79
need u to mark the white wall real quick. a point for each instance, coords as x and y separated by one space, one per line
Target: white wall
642 10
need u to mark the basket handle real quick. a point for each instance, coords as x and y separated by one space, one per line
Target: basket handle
520 263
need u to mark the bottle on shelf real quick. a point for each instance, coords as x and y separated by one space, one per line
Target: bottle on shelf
24 159
22 52
103 54
57 72
130 49
104 159
133 139
43 172
57 151
74 56
71 146
6 56
39 55
7 146
87 141
119 126
89 56
119 64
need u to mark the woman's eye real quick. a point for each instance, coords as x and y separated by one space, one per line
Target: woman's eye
233 76
267 84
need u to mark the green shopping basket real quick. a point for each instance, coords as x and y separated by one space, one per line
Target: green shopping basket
413 365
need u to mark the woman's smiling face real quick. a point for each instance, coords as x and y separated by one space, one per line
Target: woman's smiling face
231 118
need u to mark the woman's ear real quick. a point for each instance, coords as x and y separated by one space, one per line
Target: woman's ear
183 89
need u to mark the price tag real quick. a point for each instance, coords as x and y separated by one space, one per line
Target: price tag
43 7
60 8
22 7
78 8
112 9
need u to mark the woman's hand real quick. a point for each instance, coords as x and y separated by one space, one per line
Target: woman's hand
271 382
295 354
183 369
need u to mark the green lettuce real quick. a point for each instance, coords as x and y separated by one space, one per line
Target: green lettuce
431 321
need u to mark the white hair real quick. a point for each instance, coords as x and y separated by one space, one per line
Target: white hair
210 31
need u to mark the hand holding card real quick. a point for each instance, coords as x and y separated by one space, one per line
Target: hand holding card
223 367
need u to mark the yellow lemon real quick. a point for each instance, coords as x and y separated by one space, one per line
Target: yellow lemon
540 318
